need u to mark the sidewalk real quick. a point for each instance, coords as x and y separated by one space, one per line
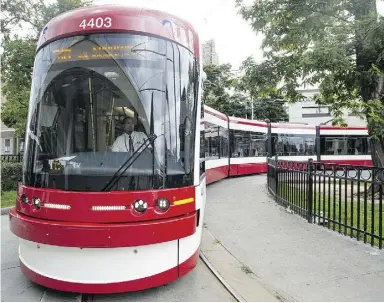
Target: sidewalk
289 257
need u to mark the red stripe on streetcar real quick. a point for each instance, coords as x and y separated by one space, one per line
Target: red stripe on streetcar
260 124
81 204
70 234
120 18
328 127
216 114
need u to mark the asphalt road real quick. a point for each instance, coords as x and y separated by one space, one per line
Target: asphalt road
295 259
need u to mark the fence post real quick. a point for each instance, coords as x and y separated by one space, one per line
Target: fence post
310 190
276 176
268 174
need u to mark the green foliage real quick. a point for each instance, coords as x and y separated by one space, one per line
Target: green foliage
225 92
217 85
259 80
270 109
17 65
8 198
11 174
34 13
336 44
19 53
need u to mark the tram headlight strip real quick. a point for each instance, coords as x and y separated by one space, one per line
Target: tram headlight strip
108 207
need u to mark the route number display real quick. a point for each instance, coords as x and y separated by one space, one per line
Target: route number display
96 23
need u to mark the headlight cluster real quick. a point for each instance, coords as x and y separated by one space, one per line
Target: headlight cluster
141 206
36 202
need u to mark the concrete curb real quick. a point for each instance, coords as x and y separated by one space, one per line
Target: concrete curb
5 210
243 285
234 293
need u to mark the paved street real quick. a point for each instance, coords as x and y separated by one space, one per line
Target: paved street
297 260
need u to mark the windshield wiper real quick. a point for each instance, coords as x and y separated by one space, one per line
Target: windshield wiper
136 154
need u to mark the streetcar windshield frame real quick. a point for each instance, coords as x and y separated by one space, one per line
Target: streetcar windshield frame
95 99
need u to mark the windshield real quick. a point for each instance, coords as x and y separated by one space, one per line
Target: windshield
96 99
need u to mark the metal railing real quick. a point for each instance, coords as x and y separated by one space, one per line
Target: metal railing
343 198
12 158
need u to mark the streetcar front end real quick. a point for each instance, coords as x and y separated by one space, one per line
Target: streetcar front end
112 198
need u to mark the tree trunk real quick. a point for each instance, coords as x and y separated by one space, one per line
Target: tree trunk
377 151
369 89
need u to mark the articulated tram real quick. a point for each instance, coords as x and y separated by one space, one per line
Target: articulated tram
236 147
113 194
119 149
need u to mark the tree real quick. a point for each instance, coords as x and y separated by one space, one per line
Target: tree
19 53
336 44
34 13
227 94
17 65
218 84
271 109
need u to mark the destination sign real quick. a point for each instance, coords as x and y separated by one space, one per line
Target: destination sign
95 52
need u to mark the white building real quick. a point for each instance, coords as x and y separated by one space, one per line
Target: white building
308 112
209 53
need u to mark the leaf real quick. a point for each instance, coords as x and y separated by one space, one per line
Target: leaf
336 45
19 53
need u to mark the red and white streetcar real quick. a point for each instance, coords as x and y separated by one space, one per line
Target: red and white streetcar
119 149
113 192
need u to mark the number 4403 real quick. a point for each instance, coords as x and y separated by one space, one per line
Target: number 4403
98 23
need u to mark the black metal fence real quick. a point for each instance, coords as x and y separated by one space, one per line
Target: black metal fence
343 198
12 158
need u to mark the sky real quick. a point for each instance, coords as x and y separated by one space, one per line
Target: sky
216 19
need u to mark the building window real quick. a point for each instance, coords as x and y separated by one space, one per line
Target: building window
21 145
7 145
315 111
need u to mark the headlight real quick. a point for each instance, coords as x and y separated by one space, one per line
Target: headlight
37 203
162 204
24 198
140 206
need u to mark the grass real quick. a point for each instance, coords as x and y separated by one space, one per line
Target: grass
8 198
351 216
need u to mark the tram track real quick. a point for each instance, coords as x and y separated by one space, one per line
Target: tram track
222 281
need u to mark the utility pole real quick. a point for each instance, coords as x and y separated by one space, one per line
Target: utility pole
252 107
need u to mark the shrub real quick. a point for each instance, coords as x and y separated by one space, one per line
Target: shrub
11 174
